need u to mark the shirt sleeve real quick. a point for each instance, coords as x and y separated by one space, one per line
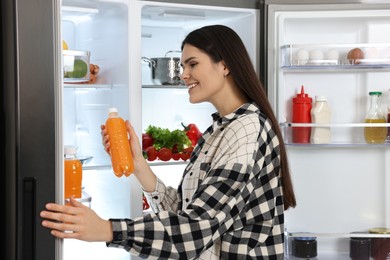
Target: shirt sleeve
216 208
162 198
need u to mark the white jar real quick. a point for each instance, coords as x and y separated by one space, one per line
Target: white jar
320 114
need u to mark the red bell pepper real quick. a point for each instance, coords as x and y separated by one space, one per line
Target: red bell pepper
192 132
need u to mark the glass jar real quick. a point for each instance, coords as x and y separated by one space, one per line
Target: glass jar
372 134
359 248
380 247
304 247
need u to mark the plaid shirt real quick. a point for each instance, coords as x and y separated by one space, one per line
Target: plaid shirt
229 204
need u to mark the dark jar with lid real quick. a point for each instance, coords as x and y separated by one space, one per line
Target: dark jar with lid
380 247
304 247
359 248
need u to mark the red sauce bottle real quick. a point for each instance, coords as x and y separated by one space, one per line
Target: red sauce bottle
302 105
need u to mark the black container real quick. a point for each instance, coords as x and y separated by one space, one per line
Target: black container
304 247
359 248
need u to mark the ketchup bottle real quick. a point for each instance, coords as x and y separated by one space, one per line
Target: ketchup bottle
121 157
302 105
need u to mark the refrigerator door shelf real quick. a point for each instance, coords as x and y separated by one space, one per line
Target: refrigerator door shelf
337 56
343 134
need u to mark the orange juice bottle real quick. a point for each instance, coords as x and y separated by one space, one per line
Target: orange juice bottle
121 157
73 173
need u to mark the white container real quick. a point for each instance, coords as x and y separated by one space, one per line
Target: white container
320 114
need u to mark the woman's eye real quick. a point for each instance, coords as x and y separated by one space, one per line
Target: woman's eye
193 64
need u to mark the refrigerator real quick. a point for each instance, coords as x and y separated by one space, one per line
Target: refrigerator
47 105
342 187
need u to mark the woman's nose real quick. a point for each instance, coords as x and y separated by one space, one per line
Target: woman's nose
184 75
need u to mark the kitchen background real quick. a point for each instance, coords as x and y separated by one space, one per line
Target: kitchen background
341 186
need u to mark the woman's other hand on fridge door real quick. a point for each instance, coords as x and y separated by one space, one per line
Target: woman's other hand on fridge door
76 221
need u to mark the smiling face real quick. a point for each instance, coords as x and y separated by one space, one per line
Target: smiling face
204 78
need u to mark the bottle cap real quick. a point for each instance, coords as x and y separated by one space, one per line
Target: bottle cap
302 97
379 230
378 93
321 98
112 110
69 149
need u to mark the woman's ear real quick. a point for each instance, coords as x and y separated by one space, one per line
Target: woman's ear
226 70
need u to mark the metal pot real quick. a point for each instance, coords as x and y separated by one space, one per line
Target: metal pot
165 70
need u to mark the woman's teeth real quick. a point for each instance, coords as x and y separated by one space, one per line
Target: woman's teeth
192 85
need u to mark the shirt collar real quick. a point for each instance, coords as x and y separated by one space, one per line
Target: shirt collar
246 108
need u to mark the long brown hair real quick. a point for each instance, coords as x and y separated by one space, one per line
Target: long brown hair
222 43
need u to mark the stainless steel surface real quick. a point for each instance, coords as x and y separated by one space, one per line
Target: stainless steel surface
165 70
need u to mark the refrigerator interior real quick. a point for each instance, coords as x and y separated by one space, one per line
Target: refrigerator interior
341 187
117 34
102 28
163 27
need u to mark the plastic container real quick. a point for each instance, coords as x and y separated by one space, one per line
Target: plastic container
73 173
320 114
375 135
121 157
76 66
302 105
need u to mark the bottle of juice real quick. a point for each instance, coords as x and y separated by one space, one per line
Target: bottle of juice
73 173
121 157
372 134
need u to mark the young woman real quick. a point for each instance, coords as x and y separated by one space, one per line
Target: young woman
231 200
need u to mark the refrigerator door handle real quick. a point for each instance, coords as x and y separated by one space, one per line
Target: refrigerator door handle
28 218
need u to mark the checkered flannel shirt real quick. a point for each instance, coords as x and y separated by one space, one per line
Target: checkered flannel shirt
229 204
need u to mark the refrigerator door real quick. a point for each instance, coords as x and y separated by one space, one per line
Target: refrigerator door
30 162
342 186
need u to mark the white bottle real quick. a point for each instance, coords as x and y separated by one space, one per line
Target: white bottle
320 114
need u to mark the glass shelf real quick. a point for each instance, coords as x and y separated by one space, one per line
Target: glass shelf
153 163
165 86
363 234
88 86
85 199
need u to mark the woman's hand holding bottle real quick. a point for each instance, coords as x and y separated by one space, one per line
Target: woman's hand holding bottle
142 170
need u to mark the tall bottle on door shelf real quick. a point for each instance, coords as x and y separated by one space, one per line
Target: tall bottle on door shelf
320 114
73 173
375 135
302 105
387 112
120 152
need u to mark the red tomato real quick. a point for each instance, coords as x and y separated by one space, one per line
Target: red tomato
151 153
186 154
165 154
176 156
145 203
147 141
